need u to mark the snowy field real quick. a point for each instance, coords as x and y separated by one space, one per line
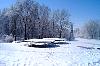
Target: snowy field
81 52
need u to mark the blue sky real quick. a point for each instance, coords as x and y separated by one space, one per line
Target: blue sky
81 10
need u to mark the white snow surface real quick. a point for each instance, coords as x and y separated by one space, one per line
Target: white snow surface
16 54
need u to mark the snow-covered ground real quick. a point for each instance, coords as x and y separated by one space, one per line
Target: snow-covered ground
76 53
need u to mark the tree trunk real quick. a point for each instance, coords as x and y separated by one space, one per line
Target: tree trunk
25 36
15 29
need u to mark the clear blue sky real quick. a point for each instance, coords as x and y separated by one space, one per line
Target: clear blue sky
80 10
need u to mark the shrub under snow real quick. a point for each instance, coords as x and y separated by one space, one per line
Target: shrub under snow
8 38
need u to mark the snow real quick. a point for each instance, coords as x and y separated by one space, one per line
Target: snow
39 40
16 54
54 39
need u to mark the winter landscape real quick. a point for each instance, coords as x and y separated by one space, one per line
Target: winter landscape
50 33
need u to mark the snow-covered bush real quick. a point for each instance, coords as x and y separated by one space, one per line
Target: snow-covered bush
8 38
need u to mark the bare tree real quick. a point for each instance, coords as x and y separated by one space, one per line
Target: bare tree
91 29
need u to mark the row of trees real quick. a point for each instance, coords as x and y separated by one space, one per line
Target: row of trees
28 19
91 30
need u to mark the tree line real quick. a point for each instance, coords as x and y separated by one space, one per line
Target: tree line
90 30
28 19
